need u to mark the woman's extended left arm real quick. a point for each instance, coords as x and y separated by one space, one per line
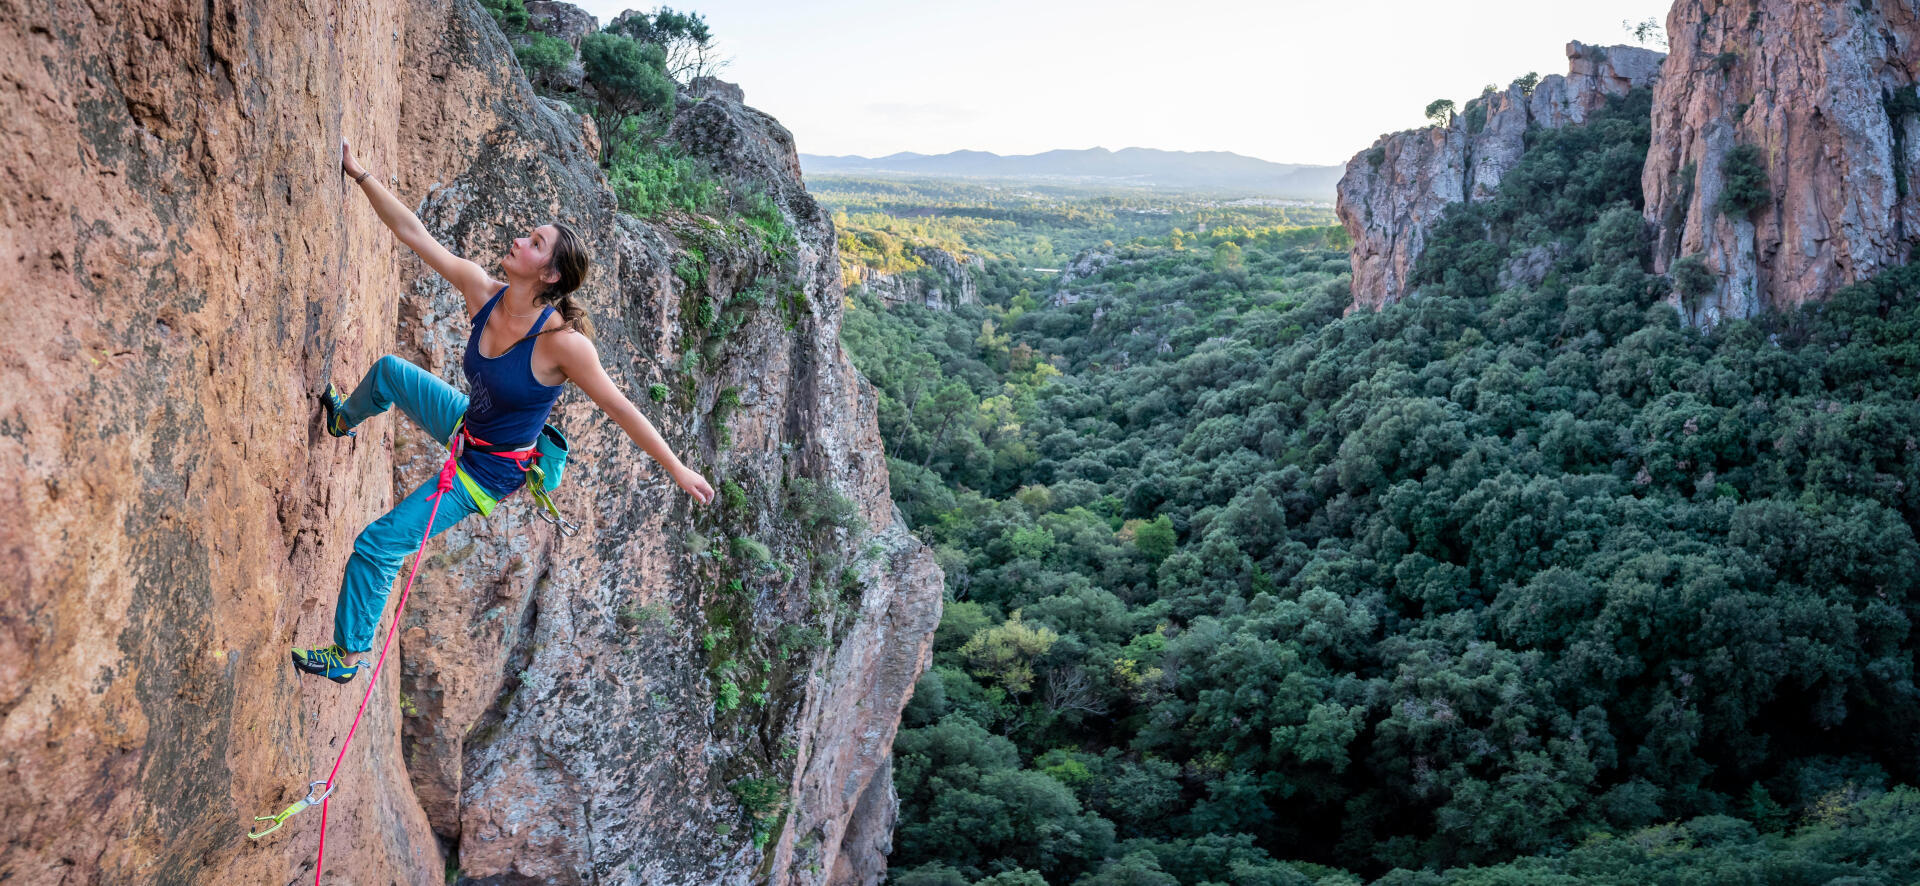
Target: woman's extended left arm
581 362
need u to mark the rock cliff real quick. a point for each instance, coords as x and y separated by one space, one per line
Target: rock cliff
945 280
1824 94
1088 264
679 694
1396 190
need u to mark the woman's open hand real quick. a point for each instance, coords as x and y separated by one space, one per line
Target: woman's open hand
695 485
346 159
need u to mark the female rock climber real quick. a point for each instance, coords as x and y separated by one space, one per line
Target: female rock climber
515 368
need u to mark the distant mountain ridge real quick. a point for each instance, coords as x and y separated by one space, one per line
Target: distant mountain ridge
1136 166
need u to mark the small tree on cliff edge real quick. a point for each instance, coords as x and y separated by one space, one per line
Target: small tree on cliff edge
631 79
1646 33
1440 111
682 36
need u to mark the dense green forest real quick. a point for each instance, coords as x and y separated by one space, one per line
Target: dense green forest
1017 227
1501 584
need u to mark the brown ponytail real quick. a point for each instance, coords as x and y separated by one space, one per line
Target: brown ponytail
570 260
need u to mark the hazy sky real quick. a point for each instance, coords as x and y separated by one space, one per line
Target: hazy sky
1292 82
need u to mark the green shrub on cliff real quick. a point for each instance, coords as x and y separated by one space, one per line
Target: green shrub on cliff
1693 280
762 801
1475 117
511 15
649 178
761 212
544 54
1744 187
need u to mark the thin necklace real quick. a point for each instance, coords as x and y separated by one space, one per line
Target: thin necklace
509 312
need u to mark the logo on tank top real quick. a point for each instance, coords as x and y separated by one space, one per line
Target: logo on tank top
482 399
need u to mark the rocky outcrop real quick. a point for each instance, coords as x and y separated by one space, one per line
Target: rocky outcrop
1396 190
1825 94
701 87
1087 264
943 280
561 21
1594 74
679 694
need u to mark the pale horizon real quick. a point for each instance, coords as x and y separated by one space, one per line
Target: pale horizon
1108 148
866 78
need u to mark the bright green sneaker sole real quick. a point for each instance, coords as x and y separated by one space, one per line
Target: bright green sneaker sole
325 663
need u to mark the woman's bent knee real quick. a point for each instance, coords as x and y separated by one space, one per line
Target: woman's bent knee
383 541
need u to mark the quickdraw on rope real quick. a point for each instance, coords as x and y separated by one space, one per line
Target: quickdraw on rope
288 812
543 506
446 483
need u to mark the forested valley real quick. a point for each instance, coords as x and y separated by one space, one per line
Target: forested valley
1516 581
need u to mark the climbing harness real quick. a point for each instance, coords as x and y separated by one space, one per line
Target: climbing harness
551 448
543 463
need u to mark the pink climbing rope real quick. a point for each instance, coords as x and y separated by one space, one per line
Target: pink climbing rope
446 483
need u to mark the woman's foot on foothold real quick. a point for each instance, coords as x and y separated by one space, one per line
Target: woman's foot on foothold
327 661
335 408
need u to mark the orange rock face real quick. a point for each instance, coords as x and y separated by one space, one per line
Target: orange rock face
189 267
1825 91
1395 191
186 264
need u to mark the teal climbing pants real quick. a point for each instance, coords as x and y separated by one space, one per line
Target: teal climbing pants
383 546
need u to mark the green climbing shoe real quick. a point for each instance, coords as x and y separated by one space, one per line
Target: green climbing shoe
335 406
327 661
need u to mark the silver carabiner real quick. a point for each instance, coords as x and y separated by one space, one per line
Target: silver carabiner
566 527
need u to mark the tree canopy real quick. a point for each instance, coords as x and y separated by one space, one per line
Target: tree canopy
685 41
1518 580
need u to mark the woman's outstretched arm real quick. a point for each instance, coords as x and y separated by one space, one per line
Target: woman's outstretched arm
472 280
581 362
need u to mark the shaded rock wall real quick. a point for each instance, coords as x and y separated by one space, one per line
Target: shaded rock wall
1396 190
1826 91
190 266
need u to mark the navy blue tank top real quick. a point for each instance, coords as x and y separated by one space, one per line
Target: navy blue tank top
507 406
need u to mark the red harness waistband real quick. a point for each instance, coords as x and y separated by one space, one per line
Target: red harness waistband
519 457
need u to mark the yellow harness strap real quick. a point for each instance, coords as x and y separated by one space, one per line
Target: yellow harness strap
480 497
